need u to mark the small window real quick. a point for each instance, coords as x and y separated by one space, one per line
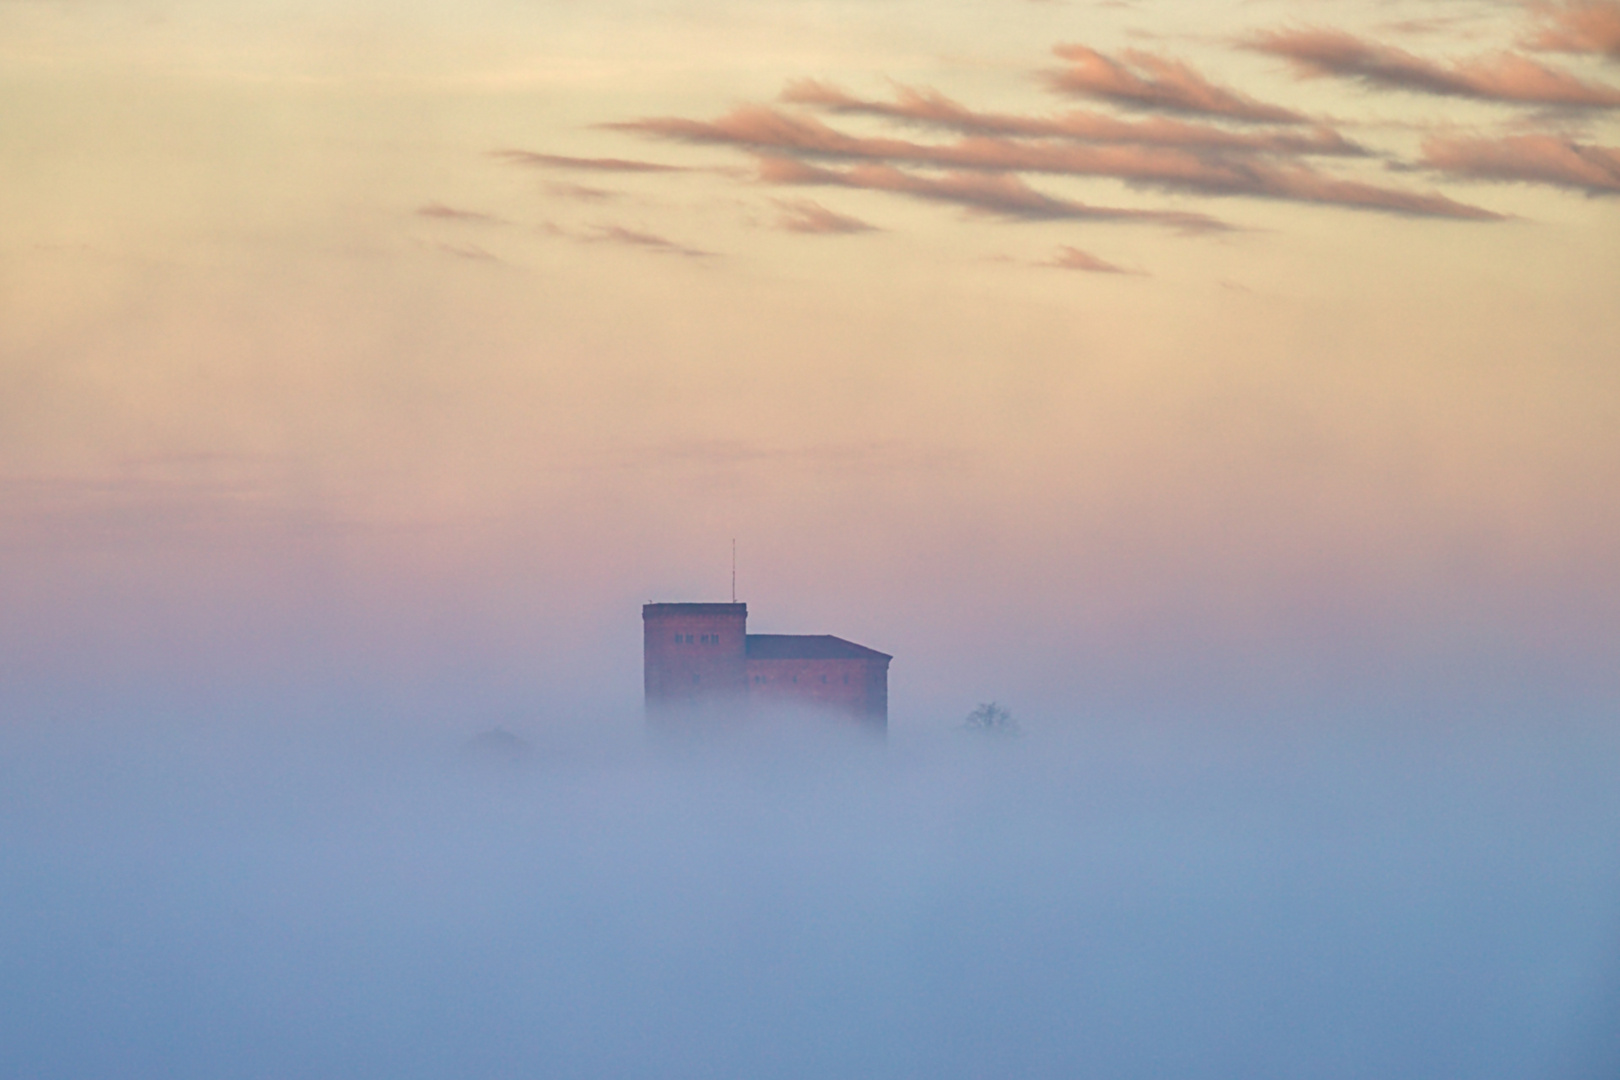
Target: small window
677 639
694 680
846 680
689 639
824 678
795 678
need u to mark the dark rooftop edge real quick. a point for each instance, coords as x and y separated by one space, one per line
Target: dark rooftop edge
808 647
654 610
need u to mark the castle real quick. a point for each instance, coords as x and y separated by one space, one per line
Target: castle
702 656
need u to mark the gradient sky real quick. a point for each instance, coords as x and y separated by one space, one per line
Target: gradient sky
1086 356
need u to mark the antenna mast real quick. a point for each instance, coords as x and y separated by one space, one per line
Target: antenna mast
733 569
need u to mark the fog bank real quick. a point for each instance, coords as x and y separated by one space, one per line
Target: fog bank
343 897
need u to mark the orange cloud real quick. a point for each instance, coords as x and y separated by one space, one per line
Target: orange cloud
618 234
1072 258
1545 159
1507 77
808 216
998 194
1592 26
450 213
759 127
772 133
560 161
582 193
929 107
1143 80
465 251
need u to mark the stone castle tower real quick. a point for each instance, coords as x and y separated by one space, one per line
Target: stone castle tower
701 655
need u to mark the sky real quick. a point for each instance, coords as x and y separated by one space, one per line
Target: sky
1137 354
1227 389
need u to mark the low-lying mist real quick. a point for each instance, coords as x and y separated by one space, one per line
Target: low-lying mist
336 897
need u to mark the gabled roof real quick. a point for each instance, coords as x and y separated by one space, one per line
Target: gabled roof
808 647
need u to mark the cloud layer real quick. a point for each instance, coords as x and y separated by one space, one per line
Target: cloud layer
1072 258
1505 77
933 109
770 132
601 164
1546 159
1162 126
809 216
238 896
999 194
1583 27
1145 81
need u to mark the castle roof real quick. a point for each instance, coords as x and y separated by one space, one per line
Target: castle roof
808 647
664 610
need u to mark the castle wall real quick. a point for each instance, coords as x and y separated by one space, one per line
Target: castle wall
694 654
699 657
855 686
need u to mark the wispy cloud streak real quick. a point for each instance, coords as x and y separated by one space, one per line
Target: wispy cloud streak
809 216
618 234
1505 77
931 108
442 212
582 193
1072 258
772 133
560 161
998 194
1592 26
466 251
1144 81
1545 159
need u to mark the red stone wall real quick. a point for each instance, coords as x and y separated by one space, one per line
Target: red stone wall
858 687
706 665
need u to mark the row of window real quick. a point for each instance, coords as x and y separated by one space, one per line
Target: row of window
761 678
703 639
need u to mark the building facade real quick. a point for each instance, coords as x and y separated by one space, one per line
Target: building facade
701 656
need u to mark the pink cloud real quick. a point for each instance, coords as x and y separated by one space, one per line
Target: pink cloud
559 161
772 133
808 216
992 193
581 192
931 108
1143 80
1592 26
618 234
1072 258
1545 159
1506 77
450 213
1300 184
759 127
466 251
